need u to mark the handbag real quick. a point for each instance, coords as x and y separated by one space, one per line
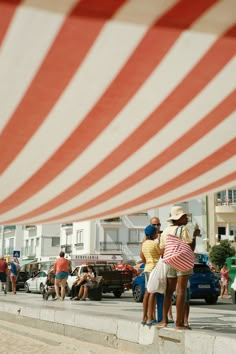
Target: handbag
178 254
157 279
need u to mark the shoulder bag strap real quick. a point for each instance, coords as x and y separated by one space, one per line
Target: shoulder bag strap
181 230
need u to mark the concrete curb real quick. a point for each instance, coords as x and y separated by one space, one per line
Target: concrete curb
118 333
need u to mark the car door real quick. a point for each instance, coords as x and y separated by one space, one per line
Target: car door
42 276
73 276
33 282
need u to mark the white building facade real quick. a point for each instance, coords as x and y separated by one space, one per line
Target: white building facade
120 238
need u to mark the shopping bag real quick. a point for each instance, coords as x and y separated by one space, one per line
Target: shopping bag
157 279
178 254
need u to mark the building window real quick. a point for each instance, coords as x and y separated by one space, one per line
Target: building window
55 241
11 243
32 246
136 235
79 236
111 235
37 242
226 197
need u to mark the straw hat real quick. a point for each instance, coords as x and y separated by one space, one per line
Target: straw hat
176 213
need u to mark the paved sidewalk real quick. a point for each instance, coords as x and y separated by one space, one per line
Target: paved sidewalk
120 320
18 339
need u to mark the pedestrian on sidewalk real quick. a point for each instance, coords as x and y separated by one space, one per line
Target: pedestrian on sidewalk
225 280
178 228
4 273
80 280
90 283
61 269
150 254
14 270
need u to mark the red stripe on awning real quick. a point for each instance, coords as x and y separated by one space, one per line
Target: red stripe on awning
111 103
57 70
212 161
7 11
201 129
201 191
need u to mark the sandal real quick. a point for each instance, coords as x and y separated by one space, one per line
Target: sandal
170 320
182 327
161 325
56 298
143 323
151 323
187 326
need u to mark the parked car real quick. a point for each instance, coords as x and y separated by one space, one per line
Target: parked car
113 281
36 283
203 285
20 281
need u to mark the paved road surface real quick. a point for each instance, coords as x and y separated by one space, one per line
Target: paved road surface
19 339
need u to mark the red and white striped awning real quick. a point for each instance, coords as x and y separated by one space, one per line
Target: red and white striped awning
109 107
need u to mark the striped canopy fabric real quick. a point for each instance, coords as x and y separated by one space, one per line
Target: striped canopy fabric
110 107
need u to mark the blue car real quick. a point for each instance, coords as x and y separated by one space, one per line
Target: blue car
204 284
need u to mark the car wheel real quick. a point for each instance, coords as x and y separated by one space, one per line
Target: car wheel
68 290
211 300
138 294
41 288
27 288
117 293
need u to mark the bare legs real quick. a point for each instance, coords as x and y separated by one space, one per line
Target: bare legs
171 286
181 281
83 293
61 282
13 283
186 313
180 301
149 303
4 287
145 305
56 284
63 288
224 291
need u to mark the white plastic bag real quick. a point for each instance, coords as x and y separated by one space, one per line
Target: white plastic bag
157 279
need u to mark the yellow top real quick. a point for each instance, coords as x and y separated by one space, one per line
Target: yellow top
151 252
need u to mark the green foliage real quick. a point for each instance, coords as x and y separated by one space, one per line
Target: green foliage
219 253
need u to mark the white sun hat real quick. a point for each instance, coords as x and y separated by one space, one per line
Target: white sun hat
176 213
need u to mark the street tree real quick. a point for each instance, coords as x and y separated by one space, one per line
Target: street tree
219 253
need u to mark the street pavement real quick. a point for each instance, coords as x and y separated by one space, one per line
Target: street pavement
117 317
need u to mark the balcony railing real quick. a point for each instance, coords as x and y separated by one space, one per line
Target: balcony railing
28 251
231 238
8 251
111 223
225 202
66 248
111 247
79 245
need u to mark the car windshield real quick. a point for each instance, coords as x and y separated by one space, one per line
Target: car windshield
201 268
